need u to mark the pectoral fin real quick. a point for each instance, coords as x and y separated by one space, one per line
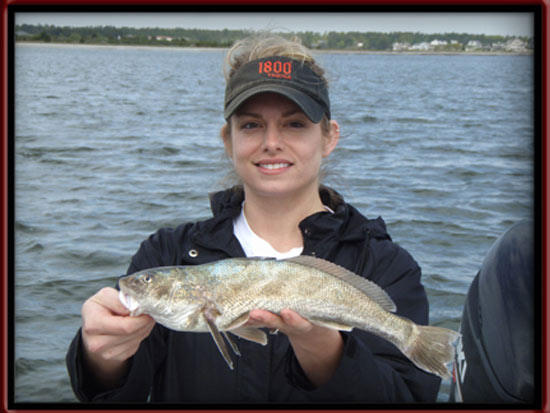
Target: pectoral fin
232 344
251 333
218 339
239 321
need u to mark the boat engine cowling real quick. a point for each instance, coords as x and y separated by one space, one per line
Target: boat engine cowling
495 360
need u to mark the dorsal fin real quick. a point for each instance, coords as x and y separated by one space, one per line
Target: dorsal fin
370 289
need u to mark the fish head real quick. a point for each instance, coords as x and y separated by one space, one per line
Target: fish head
146 291
173 296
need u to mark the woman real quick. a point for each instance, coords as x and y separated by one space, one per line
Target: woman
278 131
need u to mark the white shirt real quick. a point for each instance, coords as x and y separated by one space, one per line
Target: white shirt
255 246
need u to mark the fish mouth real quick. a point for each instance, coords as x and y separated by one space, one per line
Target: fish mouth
129 302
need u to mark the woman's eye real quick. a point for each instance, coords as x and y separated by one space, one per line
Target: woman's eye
249 125
296 124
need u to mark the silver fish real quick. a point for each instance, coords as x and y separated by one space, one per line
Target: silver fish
217 298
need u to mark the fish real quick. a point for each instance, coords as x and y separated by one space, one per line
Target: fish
217 298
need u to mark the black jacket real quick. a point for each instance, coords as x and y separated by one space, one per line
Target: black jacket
174 366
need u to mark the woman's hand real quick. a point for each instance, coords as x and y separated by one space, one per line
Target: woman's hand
110 337
318 349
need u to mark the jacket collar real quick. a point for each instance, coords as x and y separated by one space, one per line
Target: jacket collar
230 200
227 202
345 225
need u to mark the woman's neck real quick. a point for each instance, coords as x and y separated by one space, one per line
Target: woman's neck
276 219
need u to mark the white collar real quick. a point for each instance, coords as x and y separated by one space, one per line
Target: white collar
255 246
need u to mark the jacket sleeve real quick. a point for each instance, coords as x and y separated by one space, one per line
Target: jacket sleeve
135 385
157 250
372 369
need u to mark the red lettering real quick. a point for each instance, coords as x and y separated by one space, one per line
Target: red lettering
287 68
274 69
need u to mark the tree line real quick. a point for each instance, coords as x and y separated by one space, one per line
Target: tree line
181 37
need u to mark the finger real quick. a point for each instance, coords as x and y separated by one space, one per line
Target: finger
294 323
264 318
113 347
109 298
109 344
288 322
132 339
293 319
106 324
103 313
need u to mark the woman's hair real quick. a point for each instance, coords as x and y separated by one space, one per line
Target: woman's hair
266 45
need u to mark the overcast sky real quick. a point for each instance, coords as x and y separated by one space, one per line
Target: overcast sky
504 24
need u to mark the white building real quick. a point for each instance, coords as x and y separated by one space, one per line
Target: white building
515 45
424 46
435 43
474 45
399 47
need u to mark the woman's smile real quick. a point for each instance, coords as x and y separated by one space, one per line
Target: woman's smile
273 166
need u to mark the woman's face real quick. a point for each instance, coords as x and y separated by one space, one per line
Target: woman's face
276 150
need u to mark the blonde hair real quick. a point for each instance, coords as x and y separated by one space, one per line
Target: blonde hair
265 44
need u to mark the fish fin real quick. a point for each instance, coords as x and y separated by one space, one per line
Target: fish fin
218 339
369 288
432 349
239 321
251 333
231 343
332 324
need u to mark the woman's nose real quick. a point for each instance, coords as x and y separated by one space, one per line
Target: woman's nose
272 139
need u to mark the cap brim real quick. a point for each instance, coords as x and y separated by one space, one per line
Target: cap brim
313 109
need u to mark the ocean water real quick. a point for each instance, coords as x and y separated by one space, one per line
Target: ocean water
112 143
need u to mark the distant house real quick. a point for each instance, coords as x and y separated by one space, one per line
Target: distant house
399 47
164 38
436 43
515 45
424 46
474 45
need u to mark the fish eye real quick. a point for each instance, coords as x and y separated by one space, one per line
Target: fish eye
147 279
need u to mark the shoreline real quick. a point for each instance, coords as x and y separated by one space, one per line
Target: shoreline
315 51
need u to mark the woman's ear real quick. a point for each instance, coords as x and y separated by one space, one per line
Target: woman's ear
332 138
225 133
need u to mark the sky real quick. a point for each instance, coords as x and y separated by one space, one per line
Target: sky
489 23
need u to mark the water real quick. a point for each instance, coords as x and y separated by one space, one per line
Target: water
114 143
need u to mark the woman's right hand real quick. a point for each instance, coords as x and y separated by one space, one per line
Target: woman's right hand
110 337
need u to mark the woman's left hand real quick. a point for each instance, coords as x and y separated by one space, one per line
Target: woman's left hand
318 349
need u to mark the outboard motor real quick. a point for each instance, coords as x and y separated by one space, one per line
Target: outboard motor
495 361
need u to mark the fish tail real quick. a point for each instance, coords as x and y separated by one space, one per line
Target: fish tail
432 349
